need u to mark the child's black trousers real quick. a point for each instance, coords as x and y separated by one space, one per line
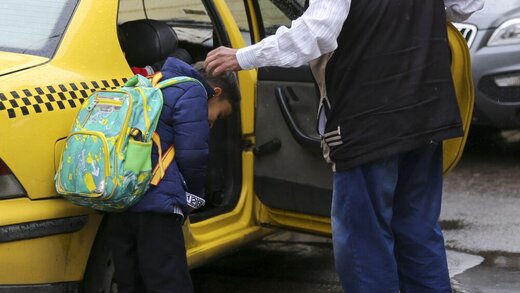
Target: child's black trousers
148 252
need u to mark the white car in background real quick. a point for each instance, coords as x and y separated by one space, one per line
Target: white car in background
493 35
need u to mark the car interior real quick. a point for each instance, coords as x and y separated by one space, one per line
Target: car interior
150 42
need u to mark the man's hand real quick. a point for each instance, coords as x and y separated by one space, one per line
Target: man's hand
220 60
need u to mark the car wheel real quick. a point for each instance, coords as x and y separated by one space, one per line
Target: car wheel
99 275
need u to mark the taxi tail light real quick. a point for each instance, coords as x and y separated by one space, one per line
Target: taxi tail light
9 185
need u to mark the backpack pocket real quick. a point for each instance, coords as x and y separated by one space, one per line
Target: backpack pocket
85 165
138 156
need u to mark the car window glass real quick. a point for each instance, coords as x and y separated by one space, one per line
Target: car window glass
188 18
33 26
239 14
276 13
130 10
238 9
188 11
178 11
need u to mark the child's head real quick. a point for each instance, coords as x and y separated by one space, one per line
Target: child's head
226 93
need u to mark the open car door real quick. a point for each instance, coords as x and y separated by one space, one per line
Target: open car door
292 180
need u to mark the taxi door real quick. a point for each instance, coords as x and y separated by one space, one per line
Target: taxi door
292 182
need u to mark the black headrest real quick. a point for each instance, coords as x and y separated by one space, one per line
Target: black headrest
178 53
147 41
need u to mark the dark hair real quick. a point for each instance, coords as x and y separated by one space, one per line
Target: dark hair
227 81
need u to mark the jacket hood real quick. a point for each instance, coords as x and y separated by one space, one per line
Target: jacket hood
175 67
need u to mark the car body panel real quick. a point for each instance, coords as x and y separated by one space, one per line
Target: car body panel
496 107
463 81
43 256
35 91
211 238
11 62
494 13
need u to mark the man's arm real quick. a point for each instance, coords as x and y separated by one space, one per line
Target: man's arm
459 10
310 36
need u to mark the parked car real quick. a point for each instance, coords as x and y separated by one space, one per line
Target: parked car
493 35
265 169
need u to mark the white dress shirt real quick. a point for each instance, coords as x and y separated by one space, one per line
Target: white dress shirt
316 31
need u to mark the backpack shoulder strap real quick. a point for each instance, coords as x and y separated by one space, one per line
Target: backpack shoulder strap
176 80
156 78
165 159
138 80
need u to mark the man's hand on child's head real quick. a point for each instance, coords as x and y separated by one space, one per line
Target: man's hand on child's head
220 60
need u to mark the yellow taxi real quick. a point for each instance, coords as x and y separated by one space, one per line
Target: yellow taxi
265 168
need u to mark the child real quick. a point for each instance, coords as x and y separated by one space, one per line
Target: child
223 104
147 241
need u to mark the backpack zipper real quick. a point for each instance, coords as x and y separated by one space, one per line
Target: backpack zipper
102 101
105 154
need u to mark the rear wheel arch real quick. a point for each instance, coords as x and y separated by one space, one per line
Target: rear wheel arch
99 272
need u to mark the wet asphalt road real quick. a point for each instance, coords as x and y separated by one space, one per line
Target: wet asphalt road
286 262
480 217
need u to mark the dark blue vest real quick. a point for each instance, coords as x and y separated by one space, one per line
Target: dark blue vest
389 81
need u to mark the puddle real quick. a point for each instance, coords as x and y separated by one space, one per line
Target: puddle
487 279
459 262
452 224
494 272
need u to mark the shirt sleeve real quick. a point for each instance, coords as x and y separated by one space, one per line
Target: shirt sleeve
459 10
310 36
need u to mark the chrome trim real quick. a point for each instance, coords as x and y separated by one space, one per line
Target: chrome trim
468 31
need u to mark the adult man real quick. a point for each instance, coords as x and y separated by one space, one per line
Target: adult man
388 106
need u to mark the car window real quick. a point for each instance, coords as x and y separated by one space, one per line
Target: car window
187 11
239 14
188 18
33 26
276 13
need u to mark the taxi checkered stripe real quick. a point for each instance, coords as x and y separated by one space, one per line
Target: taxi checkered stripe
52 98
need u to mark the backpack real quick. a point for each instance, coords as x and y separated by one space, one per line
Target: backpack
106 161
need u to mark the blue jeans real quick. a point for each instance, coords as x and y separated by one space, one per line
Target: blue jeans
386 235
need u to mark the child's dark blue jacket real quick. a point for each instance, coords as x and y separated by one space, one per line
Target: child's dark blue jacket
184 124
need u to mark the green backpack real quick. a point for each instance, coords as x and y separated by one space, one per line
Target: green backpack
106 161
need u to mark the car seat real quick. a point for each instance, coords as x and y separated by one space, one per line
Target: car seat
150 42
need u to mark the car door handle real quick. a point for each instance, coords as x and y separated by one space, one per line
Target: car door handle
266 148
306 141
